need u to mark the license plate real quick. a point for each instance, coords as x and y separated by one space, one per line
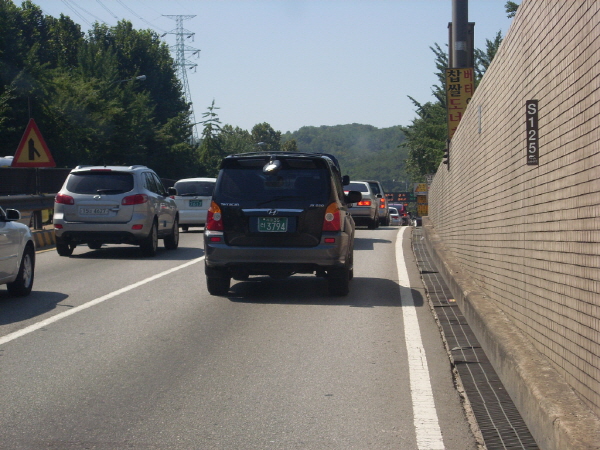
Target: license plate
195 203
273 224
93 211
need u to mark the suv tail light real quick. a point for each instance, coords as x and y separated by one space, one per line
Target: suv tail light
64 199
136 199
364 203
332 220
214 219
382 203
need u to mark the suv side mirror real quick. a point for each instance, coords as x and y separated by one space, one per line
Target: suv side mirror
353 197
172 191
345 180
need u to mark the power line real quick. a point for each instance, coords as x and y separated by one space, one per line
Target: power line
76 13
107 10
85 11
138 16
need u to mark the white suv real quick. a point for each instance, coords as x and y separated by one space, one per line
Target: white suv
115 205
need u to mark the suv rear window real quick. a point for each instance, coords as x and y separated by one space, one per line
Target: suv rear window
250 184
202 188
360 187
100 182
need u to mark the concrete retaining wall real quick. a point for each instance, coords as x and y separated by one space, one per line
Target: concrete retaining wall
529 236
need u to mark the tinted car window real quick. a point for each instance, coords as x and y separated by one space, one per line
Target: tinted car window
375 188
361 187
201 188
252 185
100 182
160 188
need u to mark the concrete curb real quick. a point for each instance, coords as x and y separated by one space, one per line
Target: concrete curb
44 239
555 415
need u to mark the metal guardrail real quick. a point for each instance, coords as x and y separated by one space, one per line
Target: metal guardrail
30 206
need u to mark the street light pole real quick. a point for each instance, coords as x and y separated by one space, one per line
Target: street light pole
138 78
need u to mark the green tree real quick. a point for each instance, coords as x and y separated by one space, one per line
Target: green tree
511 9
267 137
483 59
236 140
211 148
289 146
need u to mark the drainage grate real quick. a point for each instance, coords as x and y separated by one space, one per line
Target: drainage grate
501 425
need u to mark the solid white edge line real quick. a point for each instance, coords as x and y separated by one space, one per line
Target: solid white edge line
427 428
57 317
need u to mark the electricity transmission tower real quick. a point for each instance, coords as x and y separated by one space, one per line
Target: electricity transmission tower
182 63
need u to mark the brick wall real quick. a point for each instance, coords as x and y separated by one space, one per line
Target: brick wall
530 235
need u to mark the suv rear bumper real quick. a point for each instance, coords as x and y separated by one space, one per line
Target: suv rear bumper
266 260
106 237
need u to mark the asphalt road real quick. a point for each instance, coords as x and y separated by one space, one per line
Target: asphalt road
113 350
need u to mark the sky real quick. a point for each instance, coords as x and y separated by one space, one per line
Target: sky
295 63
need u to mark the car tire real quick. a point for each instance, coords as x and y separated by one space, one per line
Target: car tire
64 249
24 281
218 285
338 281
172 240
150 244
94 245
373 223
184 227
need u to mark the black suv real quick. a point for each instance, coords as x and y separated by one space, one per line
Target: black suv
278 214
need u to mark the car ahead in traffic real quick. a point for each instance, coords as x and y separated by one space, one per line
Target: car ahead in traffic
405 218
279 214
364 212
382 202
17 254
114 205
193 199
394 216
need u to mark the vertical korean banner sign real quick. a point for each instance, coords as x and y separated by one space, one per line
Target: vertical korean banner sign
460 85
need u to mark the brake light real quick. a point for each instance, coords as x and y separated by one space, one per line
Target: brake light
382 202
364 203
136 199
64 199
332 220
214 219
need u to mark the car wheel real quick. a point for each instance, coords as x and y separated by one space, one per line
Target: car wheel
64 249
150 244
373 223
339 281
95 245
184 227
172 240
24 281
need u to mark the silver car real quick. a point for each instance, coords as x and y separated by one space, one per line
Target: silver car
382 205
193 200
115 205
364 212
17 254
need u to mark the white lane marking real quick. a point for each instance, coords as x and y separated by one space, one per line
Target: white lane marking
57 317
427 428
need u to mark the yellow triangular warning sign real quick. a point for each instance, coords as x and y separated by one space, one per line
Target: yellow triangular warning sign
33 151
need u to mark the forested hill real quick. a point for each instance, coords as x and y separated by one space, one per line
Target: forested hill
364 151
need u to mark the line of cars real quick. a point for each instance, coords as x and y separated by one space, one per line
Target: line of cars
266 215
